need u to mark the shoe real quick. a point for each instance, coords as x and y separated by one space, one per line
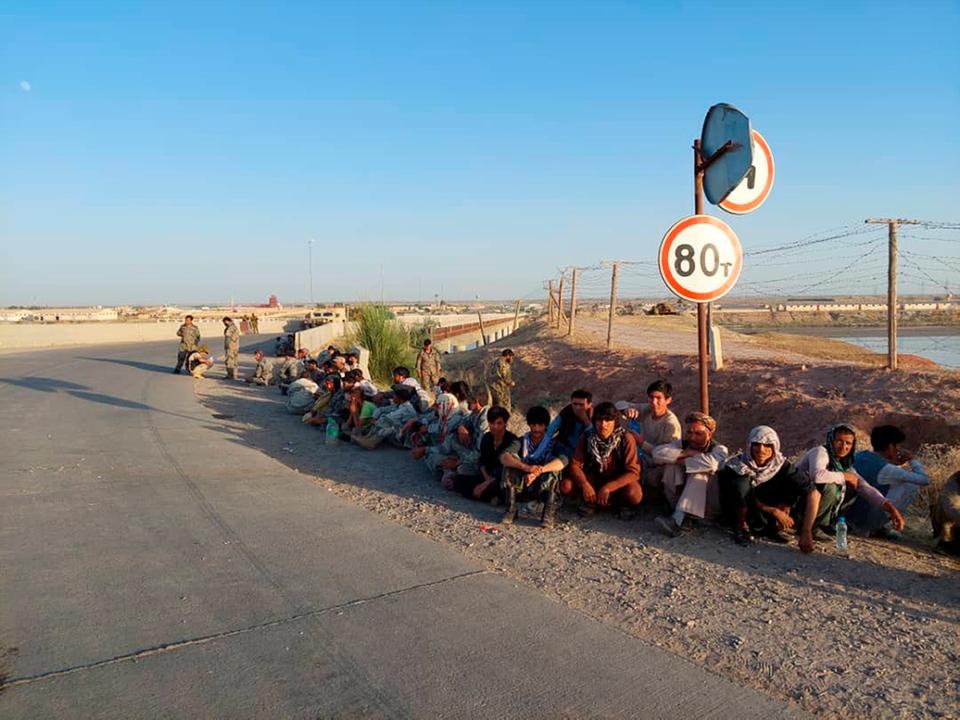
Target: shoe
887 533
549 517
510 500
820 536
743 537
776 536
667 524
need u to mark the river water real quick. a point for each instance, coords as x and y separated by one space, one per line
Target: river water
939 343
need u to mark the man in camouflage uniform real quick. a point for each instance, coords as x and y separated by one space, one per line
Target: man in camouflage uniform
428 366
263 372
189 335
500 380
231 347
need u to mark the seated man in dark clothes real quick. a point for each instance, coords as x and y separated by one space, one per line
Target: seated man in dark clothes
486 486
531 470
605 469
759 488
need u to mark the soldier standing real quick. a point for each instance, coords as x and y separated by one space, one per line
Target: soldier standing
428 366
189 335
500 380
231 347
255 324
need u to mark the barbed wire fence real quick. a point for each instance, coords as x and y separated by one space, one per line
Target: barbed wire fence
848 260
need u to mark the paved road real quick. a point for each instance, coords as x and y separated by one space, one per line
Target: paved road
152 567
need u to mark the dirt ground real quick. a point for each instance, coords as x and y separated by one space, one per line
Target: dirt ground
875 633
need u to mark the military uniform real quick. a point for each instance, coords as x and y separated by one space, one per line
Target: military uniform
500 380
189 341
428 368
231 349
198 363
263 373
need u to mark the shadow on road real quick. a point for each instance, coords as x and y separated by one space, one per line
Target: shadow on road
44 384
153 367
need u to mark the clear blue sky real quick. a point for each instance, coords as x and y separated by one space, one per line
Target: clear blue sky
186 152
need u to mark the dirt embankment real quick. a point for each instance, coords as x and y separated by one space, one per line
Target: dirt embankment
791 389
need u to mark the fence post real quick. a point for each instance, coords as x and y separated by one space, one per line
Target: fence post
573 303
613 303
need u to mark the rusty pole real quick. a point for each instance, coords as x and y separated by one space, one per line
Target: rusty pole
701 307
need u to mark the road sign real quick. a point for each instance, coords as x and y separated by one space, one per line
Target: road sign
725 124
700 258
754 188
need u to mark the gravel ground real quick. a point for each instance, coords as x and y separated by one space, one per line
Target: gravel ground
872 634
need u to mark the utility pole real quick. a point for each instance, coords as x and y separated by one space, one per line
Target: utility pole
516 316
892 224
573 302
310 264
613 301
550 302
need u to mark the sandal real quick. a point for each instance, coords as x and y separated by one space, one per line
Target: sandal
743 537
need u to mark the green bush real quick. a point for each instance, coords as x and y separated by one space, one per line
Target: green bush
386 338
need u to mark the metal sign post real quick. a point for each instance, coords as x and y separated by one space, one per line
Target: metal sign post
702 349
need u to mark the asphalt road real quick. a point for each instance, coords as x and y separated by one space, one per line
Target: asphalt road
150 567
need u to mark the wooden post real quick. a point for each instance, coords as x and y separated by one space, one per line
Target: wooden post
483 335
516 316
550 302
613 303
560 302
892 224
573 303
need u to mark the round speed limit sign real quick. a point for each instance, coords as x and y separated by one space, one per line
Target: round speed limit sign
700 258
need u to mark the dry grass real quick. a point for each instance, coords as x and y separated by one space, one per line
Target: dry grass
940 461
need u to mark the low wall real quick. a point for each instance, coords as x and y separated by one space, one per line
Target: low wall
25 336
458 338
317 338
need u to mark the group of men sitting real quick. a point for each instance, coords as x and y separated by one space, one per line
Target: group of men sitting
608 455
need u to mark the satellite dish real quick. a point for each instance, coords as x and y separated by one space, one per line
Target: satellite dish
725 124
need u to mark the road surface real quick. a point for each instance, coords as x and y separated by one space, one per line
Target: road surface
154 567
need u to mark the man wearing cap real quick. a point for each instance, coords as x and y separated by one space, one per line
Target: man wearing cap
500 380
690 473
189 335
428 365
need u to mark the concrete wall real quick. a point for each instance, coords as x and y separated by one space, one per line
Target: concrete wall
22 336
469 339
318 338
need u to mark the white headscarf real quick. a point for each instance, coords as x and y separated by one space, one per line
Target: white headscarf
743 464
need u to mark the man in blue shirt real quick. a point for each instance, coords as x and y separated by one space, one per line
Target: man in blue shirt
883 467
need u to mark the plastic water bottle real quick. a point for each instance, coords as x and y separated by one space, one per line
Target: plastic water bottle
332 432
842 534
